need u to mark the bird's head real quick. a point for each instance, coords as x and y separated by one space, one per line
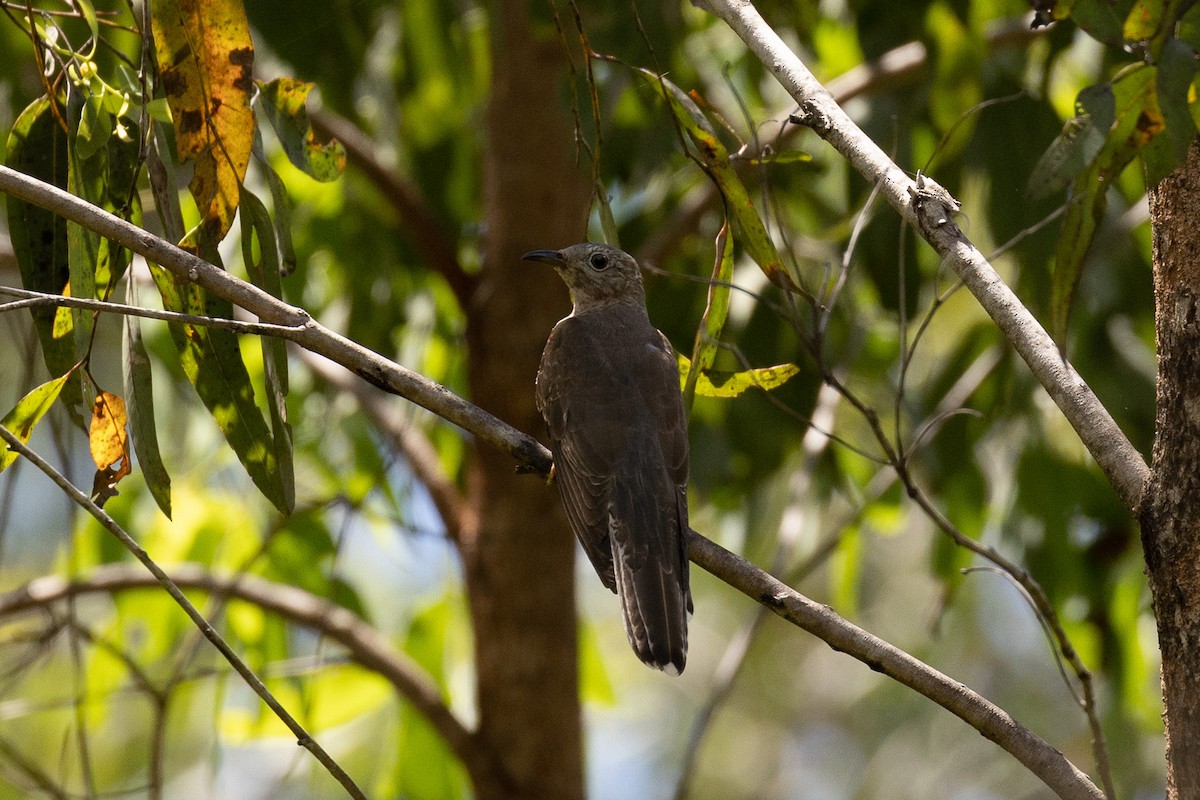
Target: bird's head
597 275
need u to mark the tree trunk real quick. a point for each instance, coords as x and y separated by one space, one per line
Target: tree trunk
1170 513
518 552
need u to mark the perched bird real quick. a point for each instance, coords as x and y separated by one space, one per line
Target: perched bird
608 387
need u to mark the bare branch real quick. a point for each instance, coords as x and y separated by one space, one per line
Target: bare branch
408 438
930 209
1043 760
162 579
427 233
308 333
364 644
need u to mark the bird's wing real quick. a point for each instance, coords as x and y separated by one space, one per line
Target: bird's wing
581 439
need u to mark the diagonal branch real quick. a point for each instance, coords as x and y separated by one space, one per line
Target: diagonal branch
306 332
364 644
1039 756
930 209
1051 766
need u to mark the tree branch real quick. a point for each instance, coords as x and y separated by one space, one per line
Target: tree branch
930 209
1047 763
364 644
306 332
1042 759
164 581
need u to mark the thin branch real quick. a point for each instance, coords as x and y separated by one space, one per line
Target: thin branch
893 68
364 644
930 209
1043 760
34 299
162 579
303 330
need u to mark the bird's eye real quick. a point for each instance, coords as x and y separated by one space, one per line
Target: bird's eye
598 261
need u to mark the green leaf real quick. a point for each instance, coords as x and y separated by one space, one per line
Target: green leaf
283 102
718 383
37 146
212 361
26 414
265 273
1176 69
708 333
1103 19
1076 148
139 400
1137 121
712 153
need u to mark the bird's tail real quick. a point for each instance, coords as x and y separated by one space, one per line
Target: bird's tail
655 602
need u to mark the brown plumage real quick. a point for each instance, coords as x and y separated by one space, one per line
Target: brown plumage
608 387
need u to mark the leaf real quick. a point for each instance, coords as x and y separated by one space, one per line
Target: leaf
1137 121
139 389
1176 68
283 102
37 146
205 55
109 444
1074 149
731 384
265 273
1102 19
106 435
212 361
26 414
749 227
708 333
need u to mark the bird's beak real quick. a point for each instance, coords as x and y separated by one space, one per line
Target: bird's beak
553 257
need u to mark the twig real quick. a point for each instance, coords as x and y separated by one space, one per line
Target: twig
1047 763
302 329
414 214
34 299
364 644
930 209
302 736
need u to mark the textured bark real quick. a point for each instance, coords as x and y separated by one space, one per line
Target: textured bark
517 550
1170 513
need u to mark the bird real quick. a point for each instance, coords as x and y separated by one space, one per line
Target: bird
608 388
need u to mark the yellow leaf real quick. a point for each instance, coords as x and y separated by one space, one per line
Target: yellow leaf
107 436
205 56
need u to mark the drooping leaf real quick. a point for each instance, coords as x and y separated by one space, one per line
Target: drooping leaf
205 56
283 102
109 444
1075 149
212 361
37 146
139 390
1102 19
708 333
748 225
265 273
1137 121
718 383
26 414
1176 69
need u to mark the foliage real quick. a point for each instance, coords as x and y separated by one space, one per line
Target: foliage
809 284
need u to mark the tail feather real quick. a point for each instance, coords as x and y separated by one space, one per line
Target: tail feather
654 607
